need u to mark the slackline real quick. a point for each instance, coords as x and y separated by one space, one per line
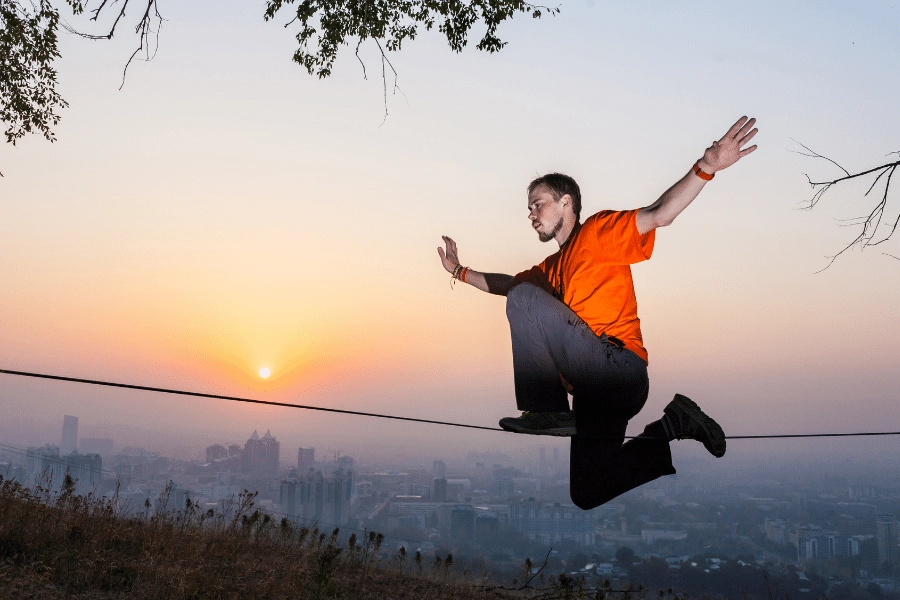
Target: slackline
159 390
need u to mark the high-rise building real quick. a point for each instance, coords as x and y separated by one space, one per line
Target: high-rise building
886 534
439 490
288 493
315 498
306 458
439 470
345 463
69 442
261 455
272 453
504 487
462 523
85 470
43 462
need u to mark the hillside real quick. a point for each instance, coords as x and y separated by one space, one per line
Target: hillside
68 546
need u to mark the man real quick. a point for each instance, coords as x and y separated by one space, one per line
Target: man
574 325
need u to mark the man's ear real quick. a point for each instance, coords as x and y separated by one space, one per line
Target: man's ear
566 200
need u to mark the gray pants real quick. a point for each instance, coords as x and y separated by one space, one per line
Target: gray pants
610 386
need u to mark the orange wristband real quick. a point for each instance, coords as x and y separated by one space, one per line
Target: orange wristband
701 173
462 276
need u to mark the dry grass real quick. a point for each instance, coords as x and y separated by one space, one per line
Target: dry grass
67 546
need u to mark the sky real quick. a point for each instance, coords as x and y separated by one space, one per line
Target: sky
225 211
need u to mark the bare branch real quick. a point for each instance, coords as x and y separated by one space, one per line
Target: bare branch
143 29
814 154
386 61
870 223
361 63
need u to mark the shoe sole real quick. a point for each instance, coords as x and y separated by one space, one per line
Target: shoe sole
713 430
555 432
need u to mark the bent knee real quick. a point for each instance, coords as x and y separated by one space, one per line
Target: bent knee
521 290
584 501
521 297
586 497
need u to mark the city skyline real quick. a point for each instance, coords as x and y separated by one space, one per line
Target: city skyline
204 223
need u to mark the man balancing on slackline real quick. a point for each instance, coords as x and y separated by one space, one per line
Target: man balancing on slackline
575 328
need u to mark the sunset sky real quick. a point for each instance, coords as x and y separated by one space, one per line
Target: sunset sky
226 211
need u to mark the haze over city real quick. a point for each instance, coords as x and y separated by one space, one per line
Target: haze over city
225 212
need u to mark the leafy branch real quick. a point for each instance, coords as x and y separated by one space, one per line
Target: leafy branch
324 26
28 45
30 102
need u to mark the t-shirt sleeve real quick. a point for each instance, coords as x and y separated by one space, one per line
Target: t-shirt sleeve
536 275
614 239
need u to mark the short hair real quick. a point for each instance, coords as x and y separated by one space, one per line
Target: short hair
560 185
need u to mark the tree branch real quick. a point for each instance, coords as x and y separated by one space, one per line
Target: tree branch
143 29
326 25
871 222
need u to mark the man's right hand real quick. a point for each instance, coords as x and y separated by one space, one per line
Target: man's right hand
449 258
492 283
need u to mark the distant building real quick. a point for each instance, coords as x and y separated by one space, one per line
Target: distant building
863 491
462 523
69 442
551 523
216 452
439 490
314 498
886 534
811 542
261 455
85 469
487 522
842 545
102 446
174 500
42 463
137 464
439 470
457 489
777 530
345 463
306 459
504 487
651 536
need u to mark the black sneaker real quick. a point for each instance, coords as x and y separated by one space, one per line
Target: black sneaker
541 423
684 420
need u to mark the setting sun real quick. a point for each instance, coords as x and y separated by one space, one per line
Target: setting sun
265 372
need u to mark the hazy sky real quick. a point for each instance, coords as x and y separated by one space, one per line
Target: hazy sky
226 211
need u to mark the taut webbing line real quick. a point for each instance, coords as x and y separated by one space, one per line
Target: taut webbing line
146 388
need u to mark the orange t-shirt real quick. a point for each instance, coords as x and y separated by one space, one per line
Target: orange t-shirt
592 276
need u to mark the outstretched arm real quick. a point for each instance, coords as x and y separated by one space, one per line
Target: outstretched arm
493 283
721 155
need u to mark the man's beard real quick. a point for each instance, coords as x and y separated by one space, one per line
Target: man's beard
546 237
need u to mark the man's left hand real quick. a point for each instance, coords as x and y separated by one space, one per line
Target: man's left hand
727 151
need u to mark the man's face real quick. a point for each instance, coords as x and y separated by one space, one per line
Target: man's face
545 212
